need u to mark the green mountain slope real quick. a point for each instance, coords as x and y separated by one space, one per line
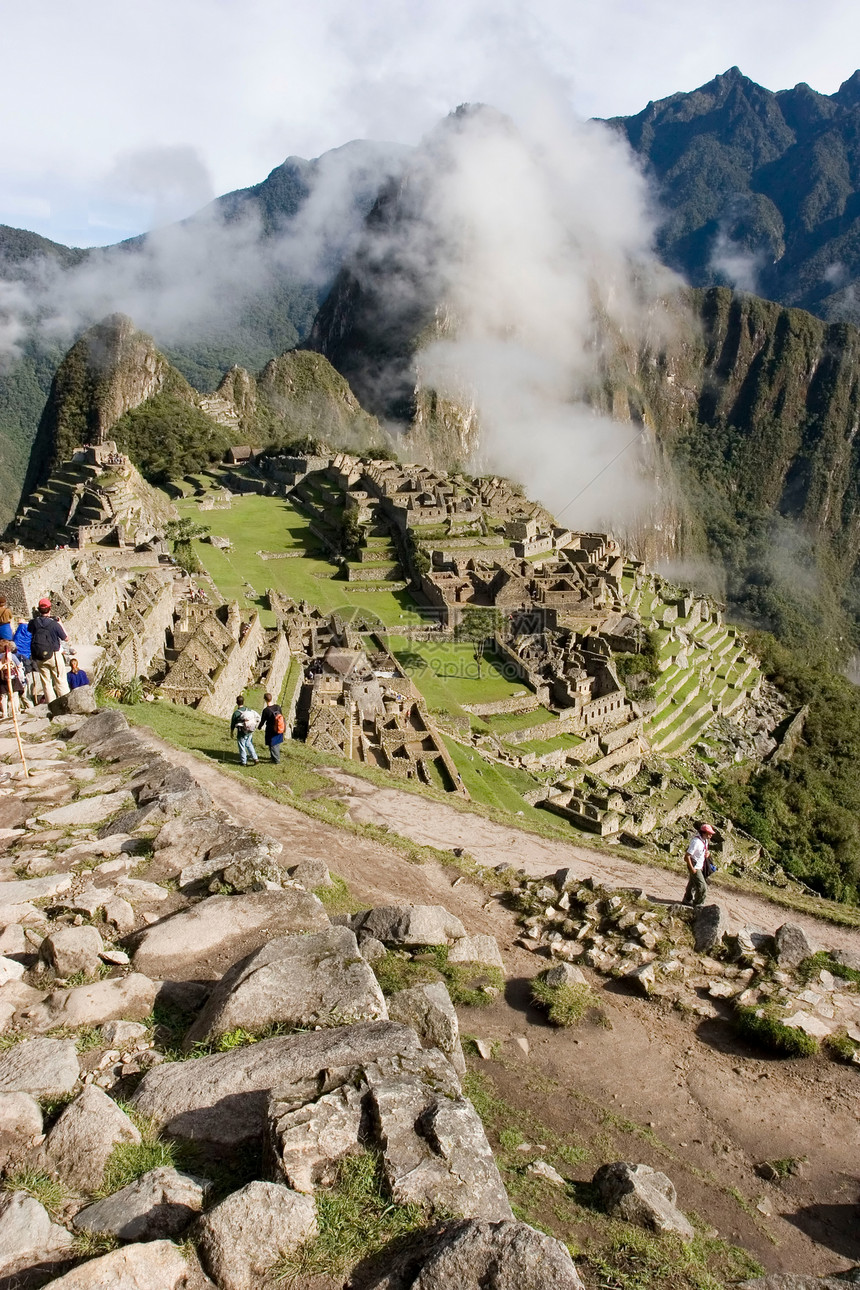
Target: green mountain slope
760 189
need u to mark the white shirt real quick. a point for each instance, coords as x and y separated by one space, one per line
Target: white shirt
696 851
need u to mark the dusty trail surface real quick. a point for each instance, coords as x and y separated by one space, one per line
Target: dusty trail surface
682 1094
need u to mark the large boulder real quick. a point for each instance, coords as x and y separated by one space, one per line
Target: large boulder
476 1255
159 1204
641 1195
78 1146
242 1238
429 1011
88 810
709 927
435 1152
151 1265
202 942
792 947
310 981
78 702
41 1067
98 729
128 997
223 1098
477 949
409 925
72 949
28 1237
230 845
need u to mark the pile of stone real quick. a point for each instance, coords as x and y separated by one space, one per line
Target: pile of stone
108 854
690 957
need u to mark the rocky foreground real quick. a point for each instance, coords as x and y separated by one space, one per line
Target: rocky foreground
170 976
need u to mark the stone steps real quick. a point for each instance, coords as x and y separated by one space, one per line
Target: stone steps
676 739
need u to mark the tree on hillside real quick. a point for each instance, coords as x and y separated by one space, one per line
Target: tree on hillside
182 533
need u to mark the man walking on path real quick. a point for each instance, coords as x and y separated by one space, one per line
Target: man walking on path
243 723
46 649
273 719
696 858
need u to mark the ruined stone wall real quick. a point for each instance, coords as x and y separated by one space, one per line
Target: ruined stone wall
24 588
136 651
233 675
525 703
91 614
381 573
278 668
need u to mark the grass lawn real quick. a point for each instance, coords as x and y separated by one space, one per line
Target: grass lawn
448 675
254 523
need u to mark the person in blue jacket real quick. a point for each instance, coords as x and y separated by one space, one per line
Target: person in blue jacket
76 676
22 640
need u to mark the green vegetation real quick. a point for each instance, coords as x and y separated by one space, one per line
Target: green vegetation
810 968
357 1218
767 1031
181 533
168 436
841 1046
470 984
130 1160
566 1005
806 810
46 1190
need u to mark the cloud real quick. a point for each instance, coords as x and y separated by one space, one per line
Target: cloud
738 266
164 183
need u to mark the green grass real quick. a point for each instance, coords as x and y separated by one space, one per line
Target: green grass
255 523
448 674
565 1005
357 1218
810 967
767 1031
130 1160
470 984
46 1190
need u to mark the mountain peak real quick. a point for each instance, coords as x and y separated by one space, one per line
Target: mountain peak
848 94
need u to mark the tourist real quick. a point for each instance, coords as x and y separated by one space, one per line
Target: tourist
76 676
11 679
697 861
243 723
22 639
273 719
46 649
6 633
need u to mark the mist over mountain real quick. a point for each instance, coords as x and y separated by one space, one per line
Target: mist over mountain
759 190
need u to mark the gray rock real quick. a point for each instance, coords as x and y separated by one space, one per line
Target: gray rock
78 702
709 927
253 875
642 978
41 1067
159 1204
564 974
119 914
228 845
371 949
202 942
223 1098
117 1034
792 947
848 958
410 925
308 1142
474 1255
127 997
72 949
28 1238
311 874
565 879
151 1265
20 1121
137 892
800 1281
89 810
435 1151
641 1195
78 1146
242 1237
429 1011
477 949
541 1169
315 980
17 998
27 889
98 729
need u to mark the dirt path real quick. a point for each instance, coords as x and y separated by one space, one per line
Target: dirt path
716 1106
432 823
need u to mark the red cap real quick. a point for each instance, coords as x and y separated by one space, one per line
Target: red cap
44 603
707 830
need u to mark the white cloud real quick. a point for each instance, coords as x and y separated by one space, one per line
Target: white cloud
244 85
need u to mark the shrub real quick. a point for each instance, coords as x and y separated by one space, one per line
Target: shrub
767 1031
565 1005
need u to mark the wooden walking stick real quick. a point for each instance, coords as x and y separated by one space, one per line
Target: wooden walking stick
14 708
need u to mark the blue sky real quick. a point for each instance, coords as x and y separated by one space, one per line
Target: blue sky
116 118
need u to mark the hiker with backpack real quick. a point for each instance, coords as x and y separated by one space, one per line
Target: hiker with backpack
46 650
699 865
273 719
243 723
